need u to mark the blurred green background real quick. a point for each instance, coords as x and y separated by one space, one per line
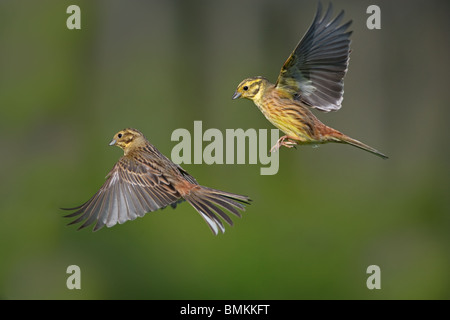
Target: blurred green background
312 229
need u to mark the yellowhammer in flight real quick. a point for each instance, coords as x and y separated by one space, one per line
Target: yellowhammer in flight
312 77
144 180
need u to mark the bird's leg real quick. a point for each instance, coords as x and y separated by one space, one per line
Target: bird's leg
283 142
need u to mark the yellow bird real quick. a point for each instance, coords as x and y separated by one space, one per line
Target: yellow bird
312 77
144 180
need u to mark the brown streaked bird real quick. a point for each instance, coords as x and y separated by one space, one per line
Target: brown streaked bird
312 77
144 180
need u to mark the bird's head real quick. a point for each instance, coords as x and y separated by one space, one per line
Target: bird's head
251 88
127 139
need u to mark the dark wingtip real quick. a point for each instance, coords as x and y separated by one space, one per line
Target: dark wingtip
74 208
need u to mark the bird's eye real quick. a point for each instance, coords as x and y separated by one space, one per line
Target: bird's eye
245 88
119 135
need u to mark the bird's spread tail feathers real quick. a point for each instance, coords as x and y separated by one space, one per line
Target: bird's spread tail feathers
208 202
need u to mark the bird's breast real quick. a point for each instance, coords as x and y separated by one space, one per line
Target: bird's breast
286 115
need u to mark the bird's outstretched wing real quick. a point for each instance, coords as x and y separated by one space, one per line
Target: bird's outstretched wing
314 72
131 190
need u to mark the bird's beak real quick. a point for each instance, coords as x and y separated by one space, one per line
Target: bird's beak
113 142
236 95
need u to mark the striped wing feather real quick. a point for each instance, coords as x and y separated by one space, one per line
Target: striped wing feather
314 72
131 190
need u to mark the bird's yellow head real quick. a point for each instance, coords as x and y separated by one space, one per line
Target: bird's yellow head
251 88
127 139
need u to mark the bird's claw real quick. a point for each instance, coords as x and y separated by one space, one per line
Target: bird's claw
283 142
